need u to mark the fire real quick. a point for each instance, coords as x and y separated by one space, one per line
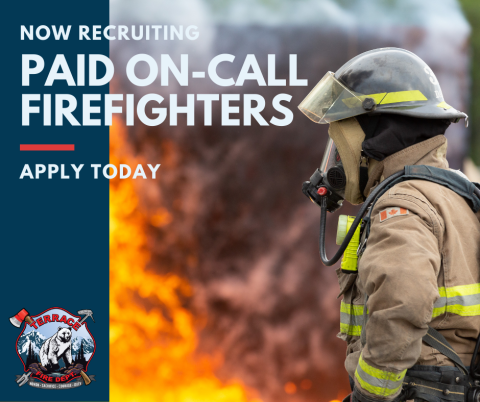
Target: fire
153 336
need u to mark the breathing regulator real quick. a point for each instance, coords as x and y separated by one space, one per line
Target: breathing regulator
329 198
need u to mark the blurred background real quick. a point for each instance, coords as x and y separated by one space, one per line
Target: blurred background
217 291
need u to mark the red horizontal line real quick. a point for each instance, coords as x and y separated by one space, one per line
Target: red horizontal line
47 147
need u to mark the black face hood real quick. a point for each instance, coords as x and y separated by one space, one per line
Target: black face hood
387 134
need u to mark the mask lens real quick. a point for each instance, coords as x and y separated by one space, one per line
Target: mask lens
331 156
332 168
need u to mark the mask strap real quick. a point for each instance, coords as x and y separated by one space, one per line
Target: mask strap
369 130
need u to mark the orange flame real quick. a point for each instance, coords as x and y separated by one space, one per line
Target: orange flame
152 350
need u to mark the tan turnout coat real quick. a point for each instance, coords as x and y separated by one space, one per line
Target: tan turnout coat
420 268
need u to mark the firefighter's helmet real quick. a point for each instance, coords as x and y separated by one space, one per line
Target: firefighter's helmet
386 80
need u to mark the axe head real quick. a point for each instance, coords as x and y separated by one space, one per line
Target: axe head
18 318
86 313
15 322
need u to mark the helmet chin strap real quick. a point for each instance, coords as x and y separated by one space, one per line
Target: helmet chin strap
356 222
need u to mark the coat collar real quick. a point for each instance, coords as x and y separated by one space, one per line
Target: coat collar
431 152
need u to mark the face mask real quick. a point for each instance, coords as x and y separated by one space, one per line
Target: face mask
332 169
328 181
338 177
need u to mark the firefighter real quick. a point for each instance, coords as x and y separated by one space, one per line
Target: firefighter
410 312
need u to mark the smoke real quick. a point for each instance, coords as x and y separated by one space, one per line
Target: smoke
241 231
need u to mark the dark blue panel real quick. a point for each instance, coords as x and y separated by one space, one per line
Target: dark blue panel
54 233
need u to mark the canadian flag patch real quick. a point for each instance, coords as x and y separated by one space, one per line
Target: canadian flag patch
391 212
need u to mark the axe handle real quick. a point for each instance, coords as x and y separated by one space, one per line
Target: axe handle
85 377
28 319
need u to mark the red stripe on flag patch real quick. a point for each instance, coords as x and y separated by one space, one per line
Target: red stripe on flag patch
391 212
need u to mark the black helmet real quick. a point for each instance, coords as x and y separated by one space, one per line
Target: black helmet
386 80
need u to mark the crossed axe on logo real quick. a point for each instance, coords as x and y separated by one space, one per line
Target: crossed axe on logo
22 316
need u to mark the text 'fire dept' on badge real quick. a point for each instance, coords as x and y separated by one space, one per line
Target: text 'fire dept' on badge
391 212
55 348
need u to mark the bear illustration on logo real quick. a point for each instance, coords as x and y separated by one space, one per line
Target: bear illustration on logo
53 356
57 347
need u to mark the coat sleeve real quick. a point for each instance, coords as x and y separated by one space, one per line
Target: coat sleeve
398 271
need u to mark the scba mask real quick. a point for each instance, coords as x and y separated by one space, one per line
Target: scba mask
333 167
339 174
329 180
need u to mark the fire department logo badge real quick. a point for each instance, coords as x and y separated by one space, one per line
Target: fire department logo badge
55 348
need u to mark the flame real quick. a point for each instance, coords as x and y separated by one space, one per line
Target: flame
152 350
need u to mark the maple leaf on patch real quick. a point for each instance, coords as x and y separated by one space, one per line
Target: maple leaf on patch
393 211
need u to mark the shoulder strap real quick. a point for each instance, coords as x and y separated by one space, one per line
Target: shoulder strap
436 340
468 190
447 178
463 187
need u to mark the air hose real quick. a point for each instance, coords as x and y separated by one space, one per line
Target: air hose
323 220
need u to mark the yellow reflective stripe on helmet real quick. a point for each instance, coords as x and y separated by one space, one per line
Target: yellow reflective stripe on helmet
403 96
386 98
378 382
462 300
376 97
357 101
444 105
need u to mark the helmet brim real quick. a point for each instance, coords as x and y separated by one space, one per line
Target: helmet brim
425 112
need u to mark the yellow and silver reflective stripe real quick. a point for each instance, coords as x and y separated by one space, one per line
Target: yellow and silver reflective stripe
462 300
378 382
351 319
356 101
386 98
403 96
444 105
